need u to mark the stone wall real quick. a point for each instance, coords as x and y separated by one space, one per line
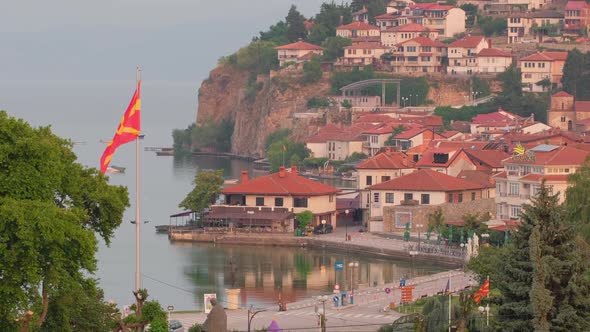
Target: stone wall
419 214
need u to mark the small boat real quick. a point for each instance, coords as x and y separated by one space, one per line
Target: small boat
115 169
162 228
165 152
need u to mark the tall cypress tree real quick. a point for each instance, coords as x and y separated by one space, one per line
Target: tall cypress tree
295 25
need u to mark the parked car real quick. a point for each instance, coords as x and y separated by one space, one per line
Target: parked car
550 40
323 229
175 326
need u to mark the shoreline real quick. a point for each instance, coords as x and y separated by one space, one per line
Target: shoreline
321 242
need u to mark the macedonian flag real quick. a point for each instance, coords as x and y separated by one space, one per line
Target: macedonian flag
128 129
482 292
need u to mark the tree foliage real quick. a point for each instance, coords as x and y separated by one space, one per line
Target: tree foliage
331 16
312 70
258 57
576 74
513 99
295 25
209 136
304 218
207 185
51 211
276 34
334 47
277 135
492 26
281 151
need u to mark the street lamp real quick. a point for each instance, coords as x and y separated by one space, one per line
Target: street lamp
404 101
410 99
419 226
416 100
251 213
323 299
352 265
346 225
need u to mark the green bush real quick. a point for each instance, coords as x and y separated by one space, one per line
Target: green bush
318 102
312 70
196 328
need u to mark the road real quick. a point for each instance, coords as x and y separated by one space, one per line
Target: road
366 314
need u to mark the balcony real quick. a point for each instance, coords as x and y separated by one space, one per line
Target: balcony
572 26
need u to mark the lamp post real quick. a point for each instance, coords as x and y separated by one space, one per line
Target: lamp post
250 213
323 299
419 226
404 101
411 99
416 99
346 225
352 265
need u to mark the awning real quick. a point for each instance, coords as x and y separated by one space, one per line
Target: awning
182 214
243 215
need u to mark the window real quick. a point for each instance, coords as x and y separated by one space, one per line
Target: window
460 199
425 199
300 202
411 48
278 201
563 119
369 180
389 198
331 198
473 196
408 196
385 178
376 197
450 198
259 201
514 211
514 189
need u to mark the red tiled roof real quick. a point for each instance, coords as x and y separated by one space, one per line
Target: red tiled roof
299 45
423 5
582 106
546 56
541 177
563 155
411 27
485 179
387 160
450 133
492 158
498 116
427 159
576 5
423 41
561 94
407 134
287 185
501 175
357 26
467 41
494 52
386 16
440 7
427 180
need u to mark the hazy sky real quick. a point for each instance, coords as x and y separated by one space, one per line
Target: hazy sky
106 39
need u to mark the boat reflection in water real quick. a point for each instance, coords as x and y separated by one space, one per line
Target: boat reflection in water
297 273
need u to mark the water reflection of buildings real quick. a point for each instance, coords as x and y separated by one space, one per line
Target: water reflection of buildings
262 272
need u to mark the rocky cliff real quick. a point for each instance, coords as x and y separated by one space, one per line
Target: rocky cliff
223 96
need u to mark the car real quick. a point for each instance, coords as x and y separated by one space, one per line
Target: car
323 229
550 40
175 326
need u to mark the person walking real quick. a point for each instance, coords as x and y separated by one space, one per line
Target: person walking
216 319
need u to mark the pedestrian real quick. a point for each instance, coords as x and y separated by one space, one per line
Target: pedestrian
216 319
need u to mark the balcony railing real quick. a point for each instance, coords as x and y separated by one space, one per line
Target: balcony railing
572 26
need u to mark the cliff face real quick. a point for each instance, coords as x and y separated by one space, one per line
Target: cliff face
223 96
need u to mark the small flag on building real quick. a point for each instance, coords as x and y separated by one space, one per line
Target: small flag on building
482 292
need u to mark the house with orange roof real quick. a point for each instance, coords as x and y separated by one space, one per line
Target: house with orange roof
385 166
337 143
357 29
569 114
414 137
446 20
487 160
361 15
524 26
419 54
479 122
462 54
376 137
493 60
552 137
448 161
362 54
422 187
542 66
395 35
253 199
297 52
525 171
576 18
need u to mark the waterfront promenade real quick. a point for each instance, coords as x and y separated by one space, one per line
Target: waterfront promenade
366 314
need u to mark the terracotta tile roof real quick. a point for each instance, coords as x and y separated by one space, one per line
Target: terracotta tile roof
493 52
336 133
546 56
492 158
561 94
483 178
299 45
387 160
427 159
576 5
498 116
423 41
427 180
563 155
379 129
582 106
423 5
540 177
407 134
357 26
450 133
455 145
419 149
468 41
386 16
501 175
411 27
440 7
287 185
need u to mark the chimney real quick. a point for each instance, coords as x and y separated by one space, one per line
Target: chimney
294 170
244 176
282 172
490 43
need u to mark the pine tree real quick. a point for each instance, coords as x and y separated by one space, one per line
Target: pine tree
295 25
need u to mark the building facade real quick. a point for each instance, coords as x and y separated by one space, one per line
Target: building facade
538 68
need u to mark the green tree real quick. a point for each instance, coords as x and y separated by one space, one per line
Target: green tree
277 135
281 151
327 20
470 13
576 74
51 211
304 219
578 200
312 70
258 57
334 47
207 185
396 131
276 34
492 26
295 25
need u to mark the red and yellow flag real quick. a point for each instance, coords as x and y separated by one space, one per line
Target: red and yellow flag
482 292
128 129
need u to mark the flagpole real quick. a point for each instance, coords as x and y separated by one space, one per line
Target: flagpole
137 215
488 304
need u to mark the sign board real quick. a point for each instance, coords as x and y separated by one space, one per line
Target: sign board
207 302
387 290
407 294
338 265
170 308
